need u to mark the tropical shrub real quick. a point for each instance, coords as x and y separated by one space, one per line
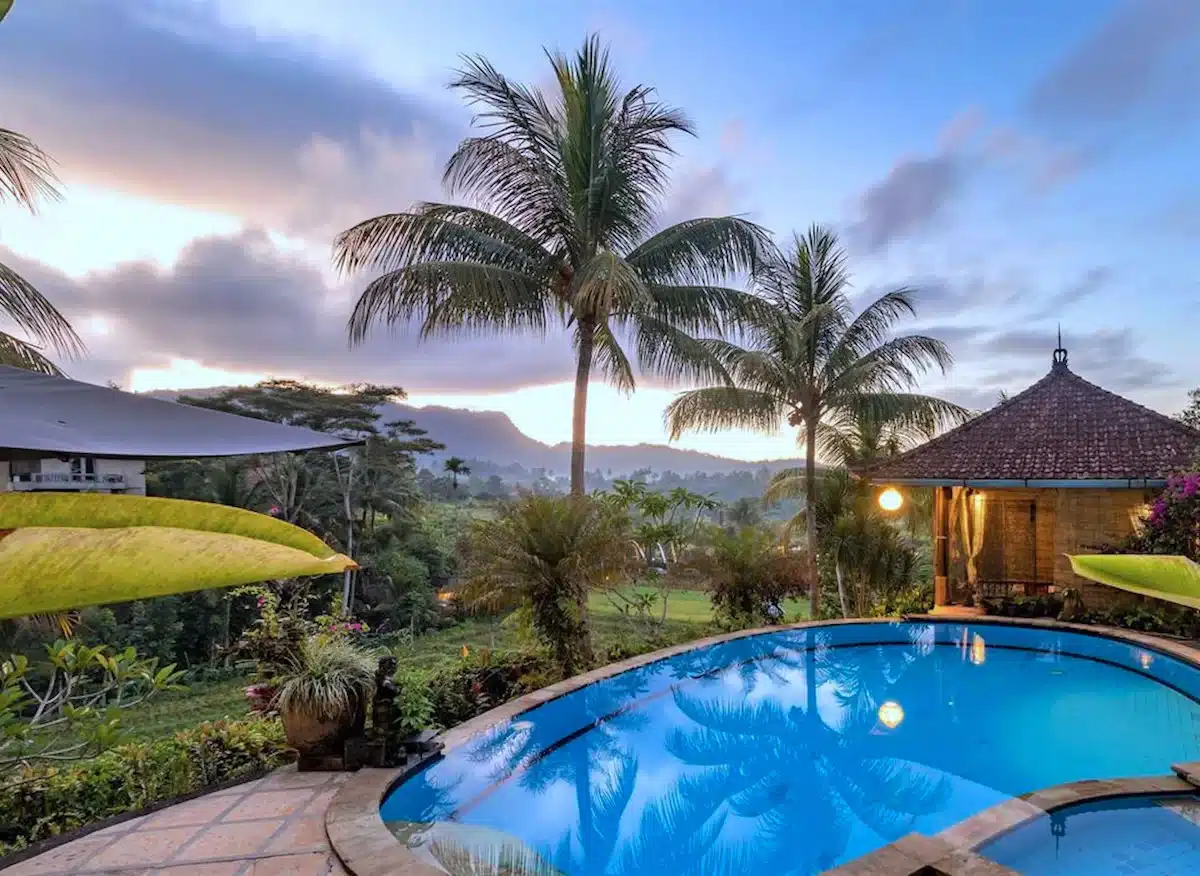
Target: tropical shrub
1173 524
748 576
71 708
41 801
546 553
328 677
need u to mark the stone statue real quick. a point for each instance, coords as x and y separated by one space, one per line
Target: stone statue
384 747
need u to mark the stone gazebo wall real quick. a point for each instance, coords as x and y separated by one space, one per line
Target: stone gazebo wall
1086 519
1069 521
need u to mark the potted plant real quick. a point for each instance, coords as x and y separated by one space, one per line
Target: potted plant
322 695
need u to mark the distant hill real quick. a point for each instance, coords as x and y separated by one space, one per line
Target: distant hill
492 437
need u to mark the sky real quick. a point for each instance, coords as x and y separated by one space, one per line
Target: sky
1021 165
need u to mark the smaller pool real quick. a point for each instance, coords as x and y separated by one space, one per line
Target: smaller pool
1129 836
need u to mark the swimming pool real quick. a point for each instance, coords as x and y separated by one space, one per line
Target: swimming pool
792 752
1130 836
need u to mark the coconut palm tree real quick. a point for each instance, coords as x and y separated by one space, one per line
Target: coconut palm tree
811 360
26 177
564 187
456 466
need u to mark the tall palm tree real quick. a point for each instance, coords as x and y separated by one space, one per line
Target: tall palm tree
26 177
810 359
456 466
565 187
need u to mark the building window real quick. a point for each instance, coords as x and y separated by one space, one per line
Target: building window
24 469
83 465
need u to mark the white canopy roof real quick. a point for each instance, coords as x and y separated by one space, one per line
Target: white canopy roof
42 415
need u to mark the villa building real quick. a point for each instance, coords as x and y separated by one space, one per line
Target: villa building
1064 467
58 434
75 474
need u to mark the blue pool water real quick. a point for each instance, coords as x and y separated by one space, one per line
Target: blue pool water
1137 836
796 751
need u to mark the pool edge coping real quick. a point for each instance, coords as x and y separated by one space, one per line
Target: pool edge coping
362 842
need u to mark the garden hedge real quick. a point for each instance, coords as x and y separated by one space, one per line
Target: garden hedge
41 801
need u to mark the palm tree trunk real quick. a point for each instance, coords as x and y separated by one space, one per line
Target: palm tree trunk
841 589
810 520
583 371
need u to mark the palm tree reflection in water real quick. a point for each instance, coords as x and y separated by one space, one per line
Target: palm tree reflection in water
781 766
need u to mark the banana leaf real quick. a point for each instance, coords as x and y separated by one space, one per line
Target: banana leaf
1175 579
60 551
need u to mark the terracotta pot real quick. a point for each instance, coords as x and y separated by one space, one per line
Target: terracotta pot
313 736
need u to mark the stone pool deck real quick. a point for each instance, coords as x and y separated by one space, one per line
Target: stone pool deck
268 827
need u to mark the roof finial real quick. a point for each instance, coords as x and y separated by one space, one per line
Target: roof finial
1060 353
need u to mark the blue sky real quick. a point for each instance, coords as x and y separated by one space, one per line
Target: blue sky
1022 164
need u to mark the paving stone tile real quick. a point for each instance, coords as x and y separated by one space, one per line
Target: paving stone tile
143 847
289 777
291 865
199 811
120 827
270 804
243 839
211 868
67 858
300 835
243 788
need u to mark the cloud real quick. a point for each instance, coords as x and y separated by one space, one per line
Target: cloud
913 194
241 304
699 192
1092 281
161 100
1108 357
1130 63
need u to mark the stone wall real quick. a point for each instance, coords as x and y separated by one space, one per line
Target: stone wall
1084 521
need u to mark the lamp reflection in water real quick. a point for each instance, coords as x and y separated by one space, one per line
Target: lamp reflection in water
1145 659
978 650
891 714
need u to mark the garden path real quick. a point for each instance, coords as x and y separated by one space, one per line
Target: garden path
268 827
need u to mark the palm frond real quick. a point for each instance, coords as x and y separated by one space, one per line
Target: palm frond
702 251
436 232
528 192
19 354
708 308
34 313
871 327
665 350
608 284
26 172
718 408
611 359
893 366
451 298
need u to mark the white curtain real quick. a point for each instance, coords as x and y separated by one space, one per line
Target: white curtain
971 511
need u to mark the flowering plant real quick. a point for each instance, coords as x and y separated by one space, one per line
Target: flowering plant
1173 524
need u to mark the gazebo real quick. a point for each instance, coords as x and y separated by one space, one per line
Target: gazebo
1063 467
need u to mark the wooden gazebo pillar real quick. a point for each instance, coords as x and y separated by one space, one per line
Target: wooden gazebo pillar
942 498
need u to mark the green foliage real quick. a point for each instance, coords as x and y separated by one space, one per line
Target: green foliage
811 360
568 184
74 712
547 554
748 576
42 801
327 677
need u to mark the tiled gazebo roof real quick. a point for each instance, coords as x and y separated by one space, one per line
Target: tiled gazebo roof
1062 428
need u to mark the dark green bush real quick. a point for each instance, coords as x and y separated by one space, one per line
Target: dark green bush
40 802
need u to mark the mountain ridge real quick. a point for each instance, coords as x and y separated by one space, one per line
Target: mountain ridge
492 436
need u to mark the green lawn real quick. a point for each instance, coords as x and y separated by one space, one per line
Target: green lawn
689 614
